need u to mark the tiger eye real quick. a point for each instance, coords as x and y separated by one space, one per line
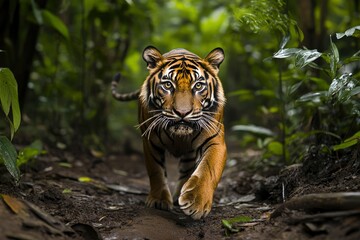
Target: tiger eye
198 86
168 85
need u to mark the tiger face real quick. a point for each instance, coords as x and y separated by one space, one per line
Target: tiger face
182 91
181 106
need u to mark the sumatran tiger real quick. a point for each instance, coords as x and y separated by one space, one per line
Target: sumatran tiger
181 106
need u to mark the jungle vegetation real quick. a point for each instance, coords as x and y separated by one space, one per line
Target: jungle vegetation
291 73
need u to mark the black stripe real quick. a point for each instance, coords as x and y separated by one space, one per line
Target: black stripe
209 147
170 138
187 171
175 66
199 150
159 149
161 162
195 137
206 75
187 160
183 176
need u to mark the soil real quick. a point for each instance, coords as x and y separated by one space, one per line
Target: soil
67 195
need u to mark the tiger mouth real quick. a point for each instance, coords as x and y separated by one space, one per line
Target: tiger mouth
182 128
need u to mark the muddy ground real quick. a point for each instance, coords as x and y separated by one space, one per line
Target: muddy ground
67 195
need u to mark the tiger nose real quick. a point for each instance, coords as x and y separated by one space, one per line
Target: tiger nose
182 112
182 104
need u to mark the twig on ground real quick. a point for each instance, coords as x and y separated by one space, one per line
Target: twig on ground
323 201
321 216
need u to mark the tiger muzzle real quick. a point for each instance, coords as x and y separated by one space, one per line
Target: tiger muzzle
182 128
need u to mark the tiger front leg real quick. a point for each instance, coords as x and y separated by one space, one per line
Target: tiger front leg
159 195
196 195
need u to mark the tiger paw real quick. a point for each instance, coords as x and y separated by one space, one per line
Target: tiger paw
160 201
196 198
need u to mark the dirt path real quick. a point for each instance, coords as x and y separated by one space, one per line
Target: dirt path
67 196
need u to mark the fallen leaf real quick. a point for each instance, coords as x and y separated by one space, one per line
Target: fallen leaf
15 205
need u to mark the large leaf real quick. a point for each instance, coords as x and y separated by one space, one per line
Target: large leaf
8 156
9 98
303 57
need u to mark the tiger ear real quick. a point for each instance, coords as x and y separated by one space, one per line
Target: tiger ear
215 57
151 56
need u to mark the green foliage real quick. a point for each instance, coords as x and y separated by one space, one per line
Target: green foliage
264 15
8 156
349 142
228 224
335 107
351 32
9 99
30 152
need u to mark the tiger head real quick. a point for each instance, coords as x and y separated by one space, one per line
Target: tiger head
182 93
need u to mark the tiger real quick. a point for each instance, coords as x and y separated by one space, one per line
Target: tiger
180 114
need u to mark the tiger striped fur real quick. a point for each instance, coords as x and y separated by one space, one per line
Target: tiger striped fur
181 105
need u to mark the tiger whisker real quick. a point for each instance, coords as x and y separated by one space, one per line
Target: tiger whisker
212 119
210 124
151 126
147 120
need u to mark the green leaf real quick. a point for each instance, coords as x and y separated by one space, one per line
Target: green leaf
85 179
67 191
6 84
314 97
355 91
286 52
56 23
8 156
275 148
243 94
302 56
351 141
334 51
284 41
351 59
265 93
253 129
334 59
228 223
9 98
37 12
30 152
342 88
354 31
